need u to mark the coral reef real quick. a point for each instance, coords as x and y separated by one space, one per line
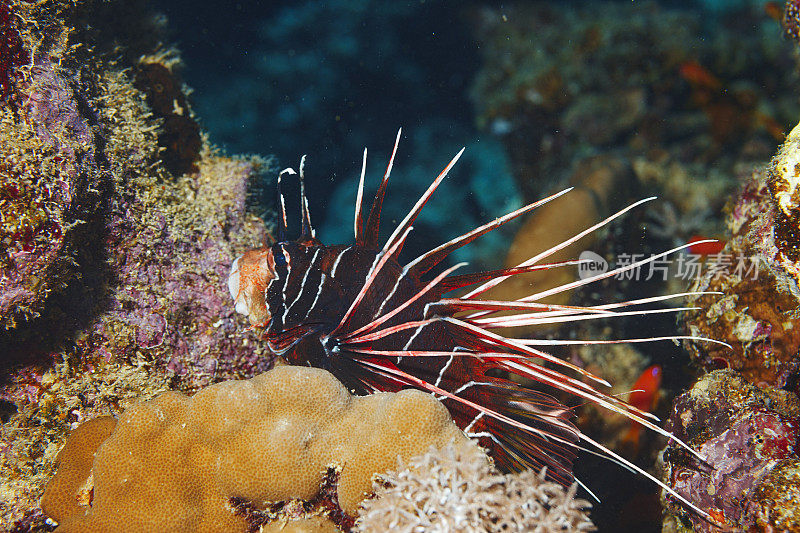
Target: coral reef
747 437
791 20
112 260
12 53
752 318
667 93
70 491
559 83
777 496
179 135
760 286
54 163
784 186
118 221
457 489
743 421
171 266
49 188
173 463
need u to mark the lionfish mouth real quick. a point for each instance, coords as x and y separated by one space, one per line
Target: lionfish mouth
247 283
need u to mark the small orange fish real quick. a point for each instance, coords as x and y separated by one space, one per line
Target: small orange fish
704 248
771 125
774 10
643 396
699 76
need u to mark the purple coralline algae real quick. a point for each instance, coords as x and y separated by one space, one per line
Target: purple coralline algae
756 312
743 434
169 301
119 224
50 179
53 111
744 421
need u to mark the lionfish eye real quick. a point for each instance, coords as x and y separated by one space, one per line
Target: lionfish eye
280 260
279 255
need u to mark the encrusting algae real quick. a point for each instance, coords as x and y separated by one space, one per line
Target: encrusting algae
744 418
748 437
111 263
119 222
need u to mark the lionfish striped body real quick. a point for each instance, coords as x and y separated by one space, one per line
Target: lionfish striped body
378 325
311 295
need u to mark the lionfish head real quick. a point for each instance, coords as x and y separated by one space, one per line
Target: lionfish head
247 283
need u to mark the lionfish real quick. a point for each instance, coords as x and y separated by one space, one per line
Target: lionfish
379 325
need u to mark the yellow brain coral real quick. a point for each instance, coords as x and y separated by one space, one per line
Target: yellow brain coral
179 463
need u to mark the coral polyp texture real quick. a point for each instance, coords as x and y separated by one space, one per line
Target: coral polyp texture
176 463
458 489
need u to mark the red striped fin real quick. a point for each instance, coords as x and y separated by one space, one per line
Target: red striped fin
427 261
465 280
372 229
412 215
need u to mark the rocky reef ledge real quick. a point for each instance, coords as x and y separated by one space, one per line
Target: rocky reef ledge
119 221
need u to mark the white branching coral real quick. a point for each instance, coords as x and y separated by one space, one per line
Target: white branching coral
458 489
